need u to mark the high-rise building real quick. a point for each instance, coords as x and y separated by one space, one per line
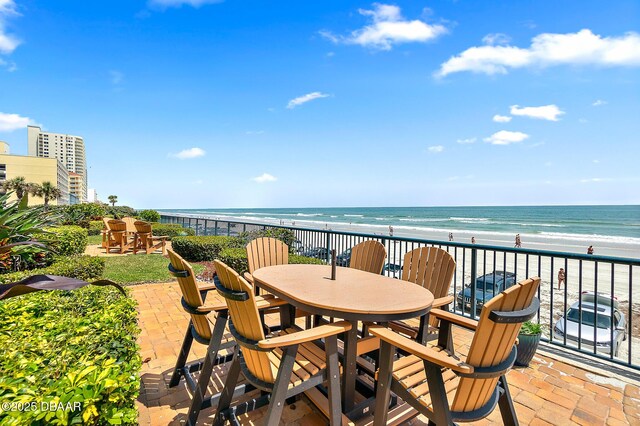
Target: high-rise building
92 195
67 149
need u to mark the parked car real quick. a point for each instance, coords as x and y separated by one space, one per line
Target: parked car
317 252
597 313
344 258
298 247
487 286
392 270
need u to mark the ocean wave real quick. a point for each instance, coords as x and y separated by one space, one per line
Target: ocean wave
469 219
353 215
424 220
308 214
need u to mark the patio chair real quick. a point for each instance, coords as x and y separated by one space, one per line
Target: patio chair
283 365
118 236
433 269
368 256
145 240
441 385
131 227
199 329
105 232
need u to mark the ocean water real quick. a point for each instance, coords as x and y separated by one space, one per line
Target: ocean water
593 223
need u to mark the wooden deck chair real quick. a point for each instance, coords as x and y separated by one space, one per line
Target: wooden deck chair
105 232
368 256
442 386
145 240
433 269
200 329
118 236
284 365
131 227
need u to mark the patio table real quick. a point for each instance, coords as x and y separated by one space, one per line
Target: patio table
353 296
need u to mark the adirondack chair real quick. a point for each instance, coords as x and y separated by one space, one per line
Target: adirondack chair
217 338
284 365
433 269
131 227
118 236
442 386
105 232
368 256
145 240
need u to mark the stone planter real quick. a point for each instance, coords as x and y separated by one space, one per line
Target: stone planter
527 346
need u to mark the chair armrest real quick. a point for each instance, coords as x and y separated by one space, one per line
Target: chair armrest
426 353
269 302
454 319
442 301
212 308
248 277
305 335
207 287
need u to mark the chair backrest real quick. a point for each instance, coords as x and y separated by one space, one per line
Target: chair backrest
368 256
492 343
265 251
245 319
190 293
130 221
143 229
431 268
118 230
106 222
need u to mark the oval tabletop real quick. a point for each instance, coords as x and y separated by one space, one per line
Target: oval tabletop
354 295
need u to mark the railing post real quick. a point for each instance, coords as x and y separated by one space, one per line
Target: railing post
328 245
215 230
474 274
228 229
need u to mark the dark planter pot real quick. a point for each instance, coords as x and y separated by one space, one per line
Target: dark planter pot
527 346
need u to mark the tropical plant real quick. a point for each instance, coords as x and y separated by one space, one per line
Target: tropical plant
47 191
113 199
149 215
19 185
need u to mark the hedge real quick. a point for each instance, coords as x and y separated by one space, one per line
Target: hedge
66 240
70 348
199 249
287 236
149 215
236 258
85 268
96 227
171 230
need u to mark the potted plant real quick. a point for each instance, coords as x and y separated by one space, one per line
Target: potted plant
528 340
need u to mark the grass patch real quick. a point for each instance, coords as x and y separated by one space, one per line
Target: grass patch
94 240
140 268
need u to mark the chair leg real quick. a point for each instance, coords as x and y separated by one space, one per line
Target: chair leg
441 411
229 388
182 357
333 377
507 410
279 393
209 362
383 393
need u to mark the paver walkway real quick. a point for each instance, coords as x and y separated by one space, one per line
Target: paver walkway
549 392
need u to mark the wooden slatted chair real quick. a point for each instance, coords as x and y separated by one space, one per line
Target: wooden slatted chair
284 365
145 240
118 236
217 338
131 227
105 232
442 386
368 256
433 269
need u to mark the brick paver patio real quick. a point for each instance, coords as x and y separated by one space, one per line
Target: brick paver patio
549 392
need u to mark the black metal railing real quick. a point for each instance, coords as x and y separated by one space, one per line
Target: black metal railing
573 317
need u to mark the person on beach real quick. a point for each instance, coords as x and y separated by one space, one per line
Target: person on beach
590 250
390 231
450 236
561 277
518 241
473 240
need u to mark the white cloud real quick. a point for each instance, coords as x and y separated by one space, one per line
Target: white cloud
505 137
546 112
305 98
581 48
116 77
496 39
501 118
595 180
466 141
388 27
165 4
254 132
436 149
11 122
265 177
190 153
599 102
8 42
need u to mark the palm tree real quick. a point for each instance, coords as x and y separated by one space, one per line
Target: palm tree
47 191
18 184
113 199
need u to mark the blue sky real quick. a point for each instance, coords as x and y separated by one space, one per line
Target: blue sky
196 103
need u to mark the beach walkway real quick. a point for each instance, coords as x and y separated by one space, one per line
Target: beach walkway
549 392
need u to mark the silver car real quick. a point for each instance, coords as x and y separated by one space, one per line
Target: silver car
582 322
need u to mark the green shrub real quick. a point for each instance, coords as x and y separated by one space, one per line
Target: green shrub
171 230
67 240
198 249
119 211
294 258
529 327
96 227
83 212
70 347
236 258
85 268
149 215
287 236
